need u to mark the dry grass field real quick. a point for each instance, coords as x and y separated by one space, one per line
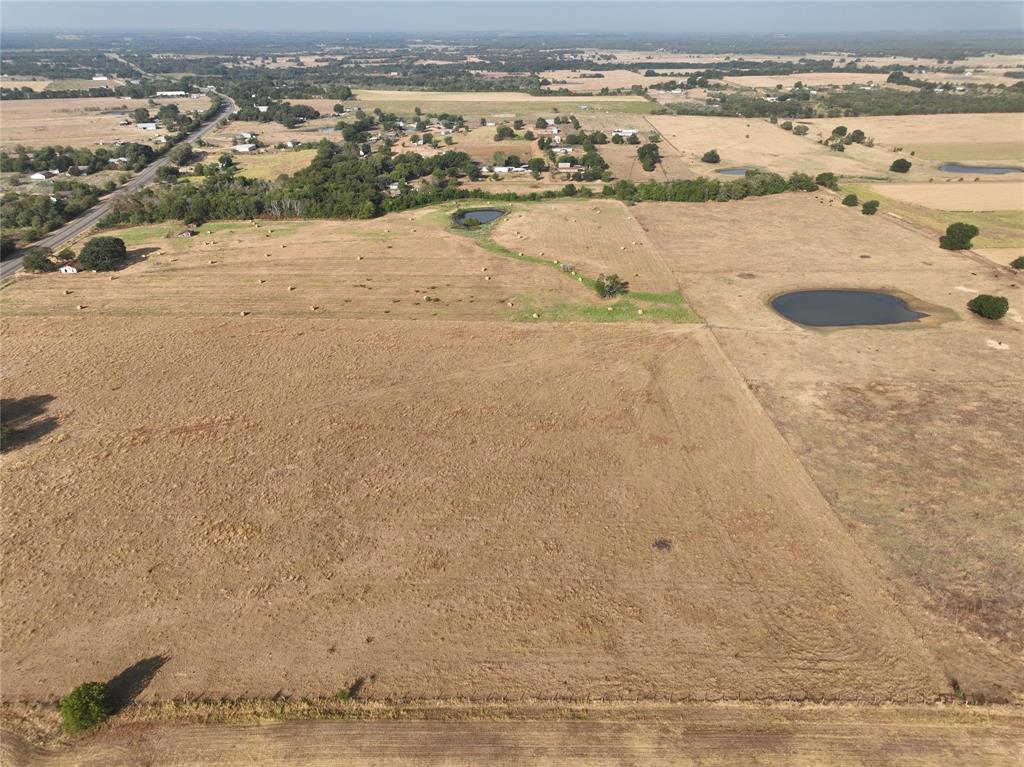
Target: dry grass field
84 122
756 143
612 79
36 85
810 79
272 163
449 510
1004 195
910 432
943 138
474 105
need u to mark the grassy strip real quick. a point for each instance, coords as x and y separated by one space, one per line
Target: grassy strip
632 307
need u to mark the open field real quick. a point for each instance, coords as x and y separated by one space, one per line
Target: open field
756 143
653 735
272 133
474 105
910 432
84 122
1005 195
272 163
810 79
999 228
943 138
341 510
611 79
36 85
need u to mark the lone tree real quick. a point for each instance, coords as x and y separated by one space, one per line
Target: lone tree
989 307
102 254
851 200
827 180
38 260
649 156
610 285
1018 262
900 166
958 236
711 156
84 707
800 130
869 208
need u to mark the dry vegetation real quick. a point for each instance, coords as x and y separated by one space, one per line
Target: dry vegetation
1003 195
82 122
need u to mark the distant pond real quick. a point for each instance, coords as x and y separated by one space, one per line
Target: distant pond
967 170
843 308
733 171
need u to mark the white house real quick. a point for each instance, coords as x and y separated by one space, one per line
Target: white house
44 174
68 269
243 147
146 126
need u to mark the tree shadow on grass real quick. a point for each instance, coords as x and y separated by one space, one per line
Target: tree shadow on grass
25 418
130 683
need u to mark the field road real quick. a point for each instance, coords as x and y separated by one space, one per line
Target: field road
707 735
88 219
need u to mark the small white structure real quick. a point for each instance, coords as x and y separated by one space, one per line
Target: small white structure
562 149
44 174
247 135
625 132
172 93
100 78
564 165
119 160
146 126
68 269
243 147
262 109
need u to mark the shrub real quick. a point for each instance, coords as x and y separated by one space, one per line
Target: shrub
102 254
711 156
989 307
869 208
787 125
958 236
38 260
827 180
800 130
7 246
1018 262
610 285
7 435
851 200
84 707
900 166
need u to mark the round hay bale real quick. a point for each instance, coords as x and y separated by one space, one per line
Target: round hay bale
67 292
313 308
509 304
81 306
639 311
536 316
610 308
488 277
291 287
244 314
359 258
111 278
260 282
213 262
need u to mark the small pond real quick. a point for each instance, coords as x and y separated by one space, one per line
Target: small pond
480 216
839 308
733 171
968 170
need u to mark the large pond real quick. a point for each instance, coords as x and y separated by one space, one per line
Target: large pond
480 216
968 170
841 308
733 171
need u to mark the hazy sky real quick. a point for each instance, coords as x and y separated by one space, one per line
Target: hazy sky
431 17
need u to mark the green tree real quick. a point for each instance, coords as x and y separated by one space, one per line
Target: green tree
900 165
7 246
632 139
141 115
851 200
711 156
504 132
608 285
102 254
786 125
839 130
38 260
958 236
541 124
800 130
569 190
1018 262
84 707
869 208
182 154
166 174
988 306
827 180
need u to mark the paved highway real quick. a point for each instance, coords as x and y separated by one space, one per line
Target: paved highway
85 221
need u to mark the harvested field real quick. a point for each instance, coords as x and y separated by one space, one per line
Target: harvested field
910 433
84 122
1003 195
943 138
342 510
474 105
612 79
36 85
271 133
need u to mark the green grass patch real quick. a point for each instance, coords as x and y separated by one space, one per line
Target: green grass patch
999 228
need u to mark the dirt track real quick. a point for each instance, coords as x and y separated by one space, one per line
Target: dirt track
676 737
